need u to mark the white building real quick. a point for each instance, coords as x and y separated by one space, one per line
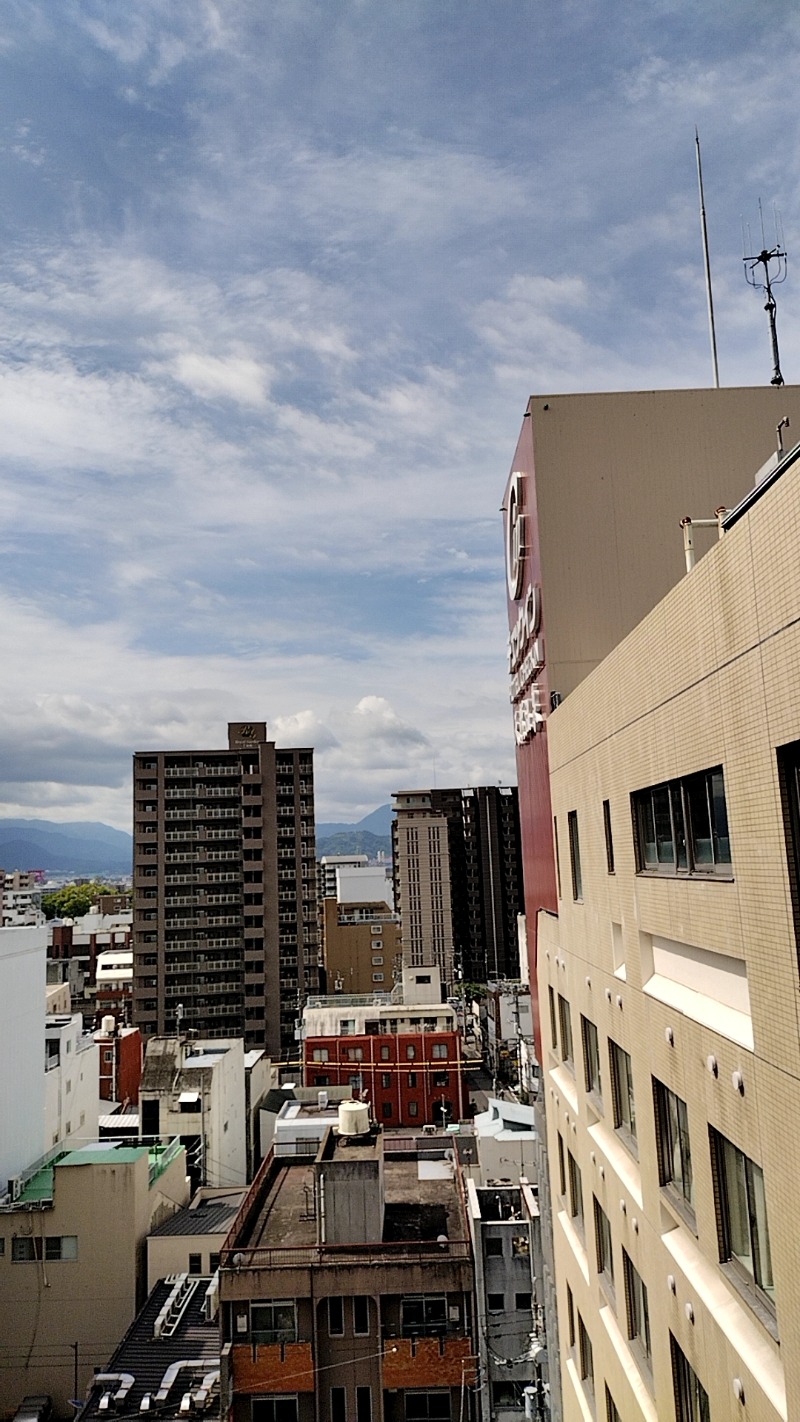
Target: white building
23 954
328 866
414 1005
365 884
196 1090
72 1088
20 899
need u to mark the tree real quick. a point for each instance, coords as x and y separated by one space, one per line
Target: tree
74 900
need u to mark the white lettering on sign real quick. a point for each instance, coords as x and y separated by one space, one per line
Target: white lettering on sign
528 715
516 545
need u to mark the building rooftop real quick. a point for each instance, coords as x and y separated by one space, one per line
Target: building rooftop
171 1328
210 1216
37 1185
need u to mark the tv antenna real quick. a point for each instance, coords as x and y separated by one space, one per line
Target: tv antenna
759 274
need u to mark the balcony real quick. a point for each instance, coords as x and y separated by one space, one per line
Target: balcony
272 1367
431 1362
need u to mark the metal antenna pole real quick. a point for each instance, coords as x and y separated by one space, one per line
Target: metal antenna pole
707 262
765 282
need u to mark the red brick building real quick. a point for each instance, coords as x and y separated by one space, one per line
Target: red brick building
410 1079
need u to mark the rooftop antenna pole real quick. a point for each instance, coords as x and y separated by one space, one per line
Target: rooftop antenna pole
764 281
707 262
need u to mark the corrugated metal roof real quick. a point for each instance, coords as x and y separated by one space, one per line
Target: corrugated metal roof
212 1217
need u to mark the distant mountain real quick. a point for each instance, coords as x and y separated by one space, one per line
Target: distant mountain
377 822
354 841
82 847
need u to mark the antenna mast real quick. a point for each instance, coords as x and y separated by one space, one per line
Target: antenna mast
706 259
765 282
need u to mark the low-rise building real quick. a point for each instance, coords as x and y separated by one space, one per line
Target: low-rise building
401 1050
189 1242
71 1081
21 898
72 1260
346 1285
120 1062
195 1089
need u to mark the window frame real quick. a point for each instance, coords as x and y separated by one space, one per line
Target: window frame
575 1192
673 1139
623 1095
565 1032
749 1280
275 1333
675 803
691 1398
604 1246
576 872
590 1042
637 1310
609 836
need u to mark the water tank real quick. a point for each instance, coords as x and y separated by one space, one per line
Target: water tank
107 1025
353 1118
322 1100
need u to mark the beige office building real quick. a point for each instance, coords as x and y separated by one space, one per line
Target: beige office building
669 990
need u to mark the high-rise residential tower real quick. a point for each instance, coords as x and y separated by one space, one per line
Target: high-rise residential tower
225 902
458 880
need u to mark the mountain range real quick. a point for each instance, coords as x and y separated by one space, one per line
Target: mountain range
87 847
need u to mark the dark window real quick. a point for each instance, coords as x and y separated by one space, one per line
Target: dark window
612 1411
274 1409
363 1404
273 1322
508 1395
742 1215
338 1404
674 1148
565 1023
412 1078
386 1080
558 857
585 1355
575 1189
213 1262
496 1303
637 1307
360 1314
691 1398
494 1247
562 1169
335 1316
789 777
591 1057
681 826
423 1315
428 1406
609 836
195 1263
551 998
522 1301
151 1118
386 1110
571 1317
441 1078
622 1087
575 855
602 1235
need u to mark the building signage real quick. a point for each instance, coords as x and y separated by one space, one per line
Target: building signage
525 645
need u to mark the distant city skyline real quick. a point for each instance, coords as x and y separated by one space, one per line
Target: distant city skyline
271 312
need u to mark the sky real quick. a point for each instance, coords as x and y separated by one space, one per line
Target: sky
277 278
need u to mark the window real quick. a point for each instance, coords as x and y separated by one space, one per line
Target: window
575 855
413 1108
742 1216
377 977
575 1189
602 1236
320 1054
440 1052
355 1054
691 1398
377 960
496 1303
558 860
636 1306
386 1080
213 1263
338 1404
195 1263
363 1404
565 1023
273 1322
612 1411
275 1408
508 1395
2 1247
591 1057
360 1314
27 1248
681 826
551 998
622 1087
335 1316
674 1148
441 1078
386 1110
609 836
428 1406
411 1052
522 1301
562 1169
423 1315
494 1248
570 1317
385 1054
585 1356
412 1078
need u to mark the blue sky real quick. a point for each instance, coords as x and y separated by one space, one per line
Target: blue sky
276 282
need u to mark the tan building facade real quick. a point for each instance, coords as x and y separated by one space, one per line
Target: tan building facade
668 985
361 946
